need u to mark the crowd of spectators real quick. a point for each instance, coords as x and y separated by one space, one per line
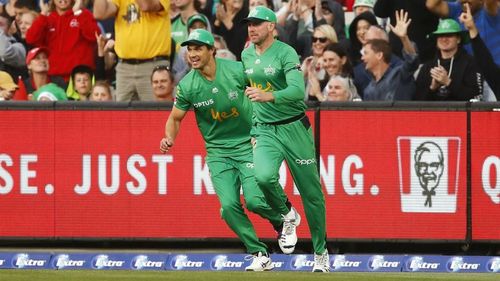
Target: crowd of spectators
351 50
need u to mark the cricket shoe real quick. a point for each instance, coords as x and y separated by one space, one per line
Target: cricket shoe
288 237
321 262
260 262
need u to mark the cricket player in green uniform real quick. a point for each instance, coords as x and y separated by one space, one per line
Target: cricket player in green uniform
215 88
282 130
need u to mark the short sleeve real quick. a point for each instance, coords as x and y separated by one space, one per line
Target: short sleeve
181 101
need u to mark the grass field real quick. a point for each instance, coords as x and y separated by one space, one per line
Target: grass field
91 275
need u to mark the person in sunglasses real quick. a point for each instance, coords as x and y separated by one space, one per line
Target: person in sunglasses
313 66
215 89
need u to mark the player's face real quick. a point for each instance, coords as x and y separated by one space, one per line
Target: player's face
199 55
258 32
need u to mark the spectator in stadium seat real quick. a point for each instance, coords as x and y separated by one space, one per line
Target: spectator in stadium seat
142 41
423 23
49 92
335 63
25 22
222 50
453 74
305 16
180 23
486 17
68 31
330 12
7 86
357 31
106 59
482 55
361 6
362 76
340 89
12 52
162 81
314 64
37 61
80 83
101 91
391 83
228 17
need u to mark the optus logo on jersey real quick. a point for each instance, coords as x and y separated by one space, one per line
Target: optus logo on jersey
203 103
221 116
305 161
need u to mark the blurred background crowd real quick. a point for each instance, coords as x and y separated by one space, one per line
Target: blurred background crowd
351 50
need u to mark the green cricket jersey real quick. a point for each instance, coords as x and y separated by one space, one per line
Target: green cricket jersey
277 70
179 31
223 112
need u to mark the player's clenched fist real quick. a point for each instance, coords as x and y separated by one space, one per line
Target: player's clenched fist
165 144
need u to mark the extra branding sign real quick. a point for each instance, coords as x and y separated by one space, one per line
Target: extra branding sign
30 261
110 261
71 261
188 262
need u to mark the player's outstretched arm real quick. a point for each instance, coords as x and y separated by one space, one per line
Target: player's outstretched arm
172 129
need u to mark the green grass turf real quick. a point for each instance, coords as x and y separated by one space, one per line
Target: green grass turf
91 275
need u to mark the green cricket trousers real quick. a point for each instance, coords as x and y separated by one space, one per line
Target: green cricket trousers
292 142
228 174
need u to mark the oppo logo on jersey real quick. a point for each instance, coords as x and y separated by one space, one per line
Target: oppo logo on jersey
203 103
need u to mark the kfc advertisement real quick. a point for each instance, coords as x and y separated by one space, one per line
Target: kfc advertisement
99 174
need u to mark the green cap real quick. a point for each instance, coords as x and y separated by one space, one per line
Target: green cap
451 26
260 14
199 37
51 92
366 3
197 17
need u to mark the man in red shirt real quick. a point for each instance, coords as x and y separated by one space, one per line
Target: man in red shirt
69 34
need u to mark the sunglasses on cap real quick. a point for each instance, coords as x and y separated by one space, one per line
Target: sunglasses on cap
161 67
320 39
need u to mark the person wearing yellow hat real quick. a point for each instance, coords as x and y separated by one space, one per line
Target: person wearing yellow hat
453 74
7 86
215 89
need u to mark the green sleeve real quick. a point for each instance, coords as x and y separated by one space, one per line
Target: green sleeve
181 102
295 89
